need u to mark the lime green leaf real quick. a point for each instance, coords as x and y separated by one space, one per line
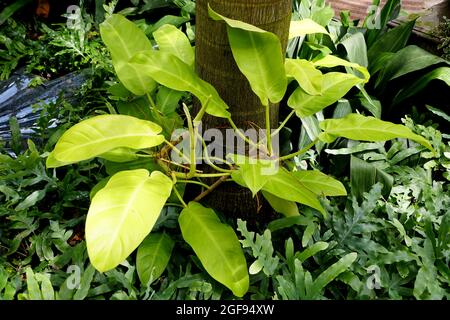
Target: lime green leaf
304 27
359 127
285 207
332 272
170 39
122 214
252 173
100 134
320 183
171 72
217 247
330 61
335 85
284 185
259 56
120 155
277 181
153 255
124 39
308 77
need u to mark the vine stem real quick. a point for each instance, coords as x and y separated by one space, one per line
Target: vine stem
194 182
192 142
268 131
299 152
243 137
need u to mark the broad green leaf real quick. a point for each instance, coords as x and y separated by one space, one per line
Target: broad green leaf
120 155
122 214
100 134
284 185
330 61
285 207
392 41
320 183
259 56
363 175
358 127
99 186
153 256
173 73
141 163
312 250
217 247
170 39
266 175
138 107
407 60
124 39
332 272
304 27
167 19
308 77
167 100
442 73
356 48
335 85
254 173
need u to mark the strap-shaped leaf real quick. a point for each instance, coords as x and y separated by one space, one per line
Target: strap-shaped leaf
100 134
124 39
259 56
217 247
335 86
170 39
171 72
320 183
152 256
308 77
304 27
122 214
358 127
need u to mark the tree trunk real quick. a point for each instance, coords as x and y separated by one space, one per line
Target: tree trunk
215 64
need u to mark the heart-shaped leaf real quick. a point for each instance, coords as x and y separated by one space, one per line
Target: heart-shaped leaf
122 214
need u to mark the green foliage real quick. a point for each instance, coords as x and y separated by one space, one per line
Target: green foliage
259 56
216 245
261 248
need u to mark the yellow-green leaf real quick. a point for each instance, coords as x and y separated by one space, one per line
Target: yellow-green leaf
308 77
170 39
171 72
335 85
217 247
320 183
330 61
304 27
124 39
100 134
358 127
122 214
259 56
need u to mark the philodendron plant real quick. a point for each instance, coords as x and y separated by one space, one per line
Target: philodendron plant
125 207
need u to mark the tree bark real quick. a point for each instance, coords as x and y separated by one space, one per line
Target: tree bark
215 64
